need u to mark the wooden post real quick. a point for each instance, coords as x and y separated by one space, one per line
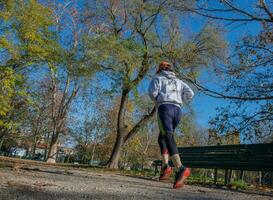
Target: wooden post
272 179
226 176
215 176
260 178
156 169
229 177
205 176
242 175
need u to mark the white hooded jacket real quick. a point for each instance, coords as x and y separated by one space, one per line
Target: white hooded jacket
165 88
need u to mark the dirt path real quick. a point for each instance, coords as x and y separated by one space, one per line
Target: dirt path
49 183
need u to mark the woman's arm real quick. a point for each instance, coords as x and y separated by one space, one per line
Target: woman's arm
187 93
154 89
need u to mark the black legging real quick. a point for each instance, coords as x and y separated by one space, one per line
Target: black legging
169 116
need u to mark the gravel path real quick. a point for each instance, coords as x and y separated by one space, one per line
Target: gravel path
79 184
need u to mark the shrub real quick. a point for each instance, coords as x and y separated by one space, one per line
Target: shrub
239 185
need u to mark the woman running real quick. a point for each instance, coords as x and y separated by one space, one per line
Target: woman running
169 93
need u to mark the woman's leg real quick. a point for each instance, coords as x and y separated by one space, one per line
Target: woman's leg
166 116
163 149
183 173
166 170
176 119
170 116
171 144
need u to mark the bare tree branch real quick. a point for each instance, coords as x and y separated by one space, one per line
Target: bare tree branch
140 124
263 4
215 94
231 8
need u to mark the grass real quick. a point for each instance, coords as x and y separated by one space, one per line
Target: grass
147 173
194 179
238 185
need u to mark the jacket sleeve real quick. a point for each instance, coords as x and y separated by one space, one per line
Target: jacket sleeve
154 88
187 93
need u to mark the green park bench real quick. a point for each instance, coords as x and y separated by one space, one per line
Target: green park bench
251 157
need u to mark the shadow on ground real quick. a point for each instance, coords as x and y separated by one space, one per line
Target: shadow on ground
29 193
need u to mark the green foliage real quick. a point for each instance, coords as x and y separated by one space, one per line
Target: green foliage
7 91
133 151
27 39
84 154
205 49
147 173
28 33
13 97
123 55
188 133
239 185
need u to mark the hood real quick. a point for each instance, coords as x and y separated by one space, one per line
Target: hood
168 74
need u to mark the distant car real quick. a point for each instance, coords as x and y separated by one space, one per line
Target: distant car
94 163
20 152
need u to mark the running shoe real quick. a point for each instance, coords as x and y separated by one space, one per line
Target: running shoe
182 174
165 173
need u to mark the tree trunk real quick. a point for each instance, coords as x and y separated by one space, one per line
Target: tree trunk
122 135
122 139
114 159
93 152
34 148
46 148
53 148
33 151
1 142
116 152
3 133
260 178
2 136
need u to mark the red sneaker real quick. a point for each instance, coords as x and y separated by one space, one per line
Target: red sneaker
165 173
180 177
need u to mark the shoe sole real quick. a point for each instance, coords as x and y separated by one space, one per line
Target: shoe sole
185 176
164 178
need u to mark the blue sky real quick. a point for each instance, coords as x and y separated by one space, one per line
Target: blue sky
205 106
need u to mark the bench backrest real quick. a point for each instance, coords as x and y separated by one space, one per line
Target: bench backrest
256 157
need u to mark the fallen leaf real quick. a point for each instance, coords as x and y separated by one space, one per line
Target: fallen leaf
41 184
199 190
21 186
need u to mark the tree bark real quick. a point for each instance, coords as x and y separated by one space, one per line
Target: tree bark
116 152
3 133
34 146
1 142
122 138
53 148
93 153
115 156
34 149
46 148
139 125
